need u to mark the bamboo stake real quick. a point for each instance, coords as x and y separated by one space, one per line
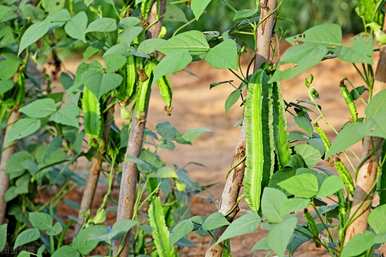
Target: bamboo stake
229 199
6 154
129 180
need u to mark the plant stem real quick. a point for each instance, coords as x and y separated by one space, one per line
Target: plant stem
7 152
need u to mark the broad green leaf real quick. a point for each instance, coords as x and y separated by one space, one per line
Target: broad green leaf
160 231
102 25
27 236
349 135
295 204
223 55
304 122
67 115
232 99
3 236
121 227
92 113
66 251
87 239
19 163
150 45
174 13
182 229
310 56
273 205
128 22
310 154
377 220
302 185
100 84
376 107
76 27
114 62
194 133
280 235
22 128
7 13
9 63
358 244
5 86
24 254
194 41
53 6
361 50
33 34
55 230
325 34
246 224
199 6
214 221
330 186
171 63
165 172
40 220
40 108
127 36
245 13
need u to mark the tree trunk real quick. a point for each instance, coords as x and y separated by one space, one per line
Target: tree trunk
233 184
129 180
5 155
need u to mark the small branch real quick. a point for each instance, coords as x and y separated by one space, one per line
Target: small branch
7 152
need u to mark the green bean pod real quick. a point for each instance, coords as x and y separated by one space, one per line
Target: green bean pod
146 8
131 76
349 102
345 175
323 137
311 223
166 93
342 214
144 90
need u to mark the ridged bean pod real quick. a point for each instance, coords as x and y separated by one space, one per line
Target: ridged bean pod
166 93
349 102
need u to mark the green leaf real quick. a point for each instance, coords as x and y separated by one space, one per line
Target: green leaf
199 6
52 6
67 115
22 128
304 122
232 99
349 135
174 13
310 155
306 56
246 224
330 186
182 229
92 113
27 236
100 84
150 45
214 221
127 36
87 239
76 27
302 185
9 63
119 228
325 34
114 62
172 63
40 220
273 205
245 13
3 236
66 251
223 55
377 220
55 229
40 108
280 235
194 133
358 244
33 34
102 25
160 231
5 86
361 50
18 163
193 41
